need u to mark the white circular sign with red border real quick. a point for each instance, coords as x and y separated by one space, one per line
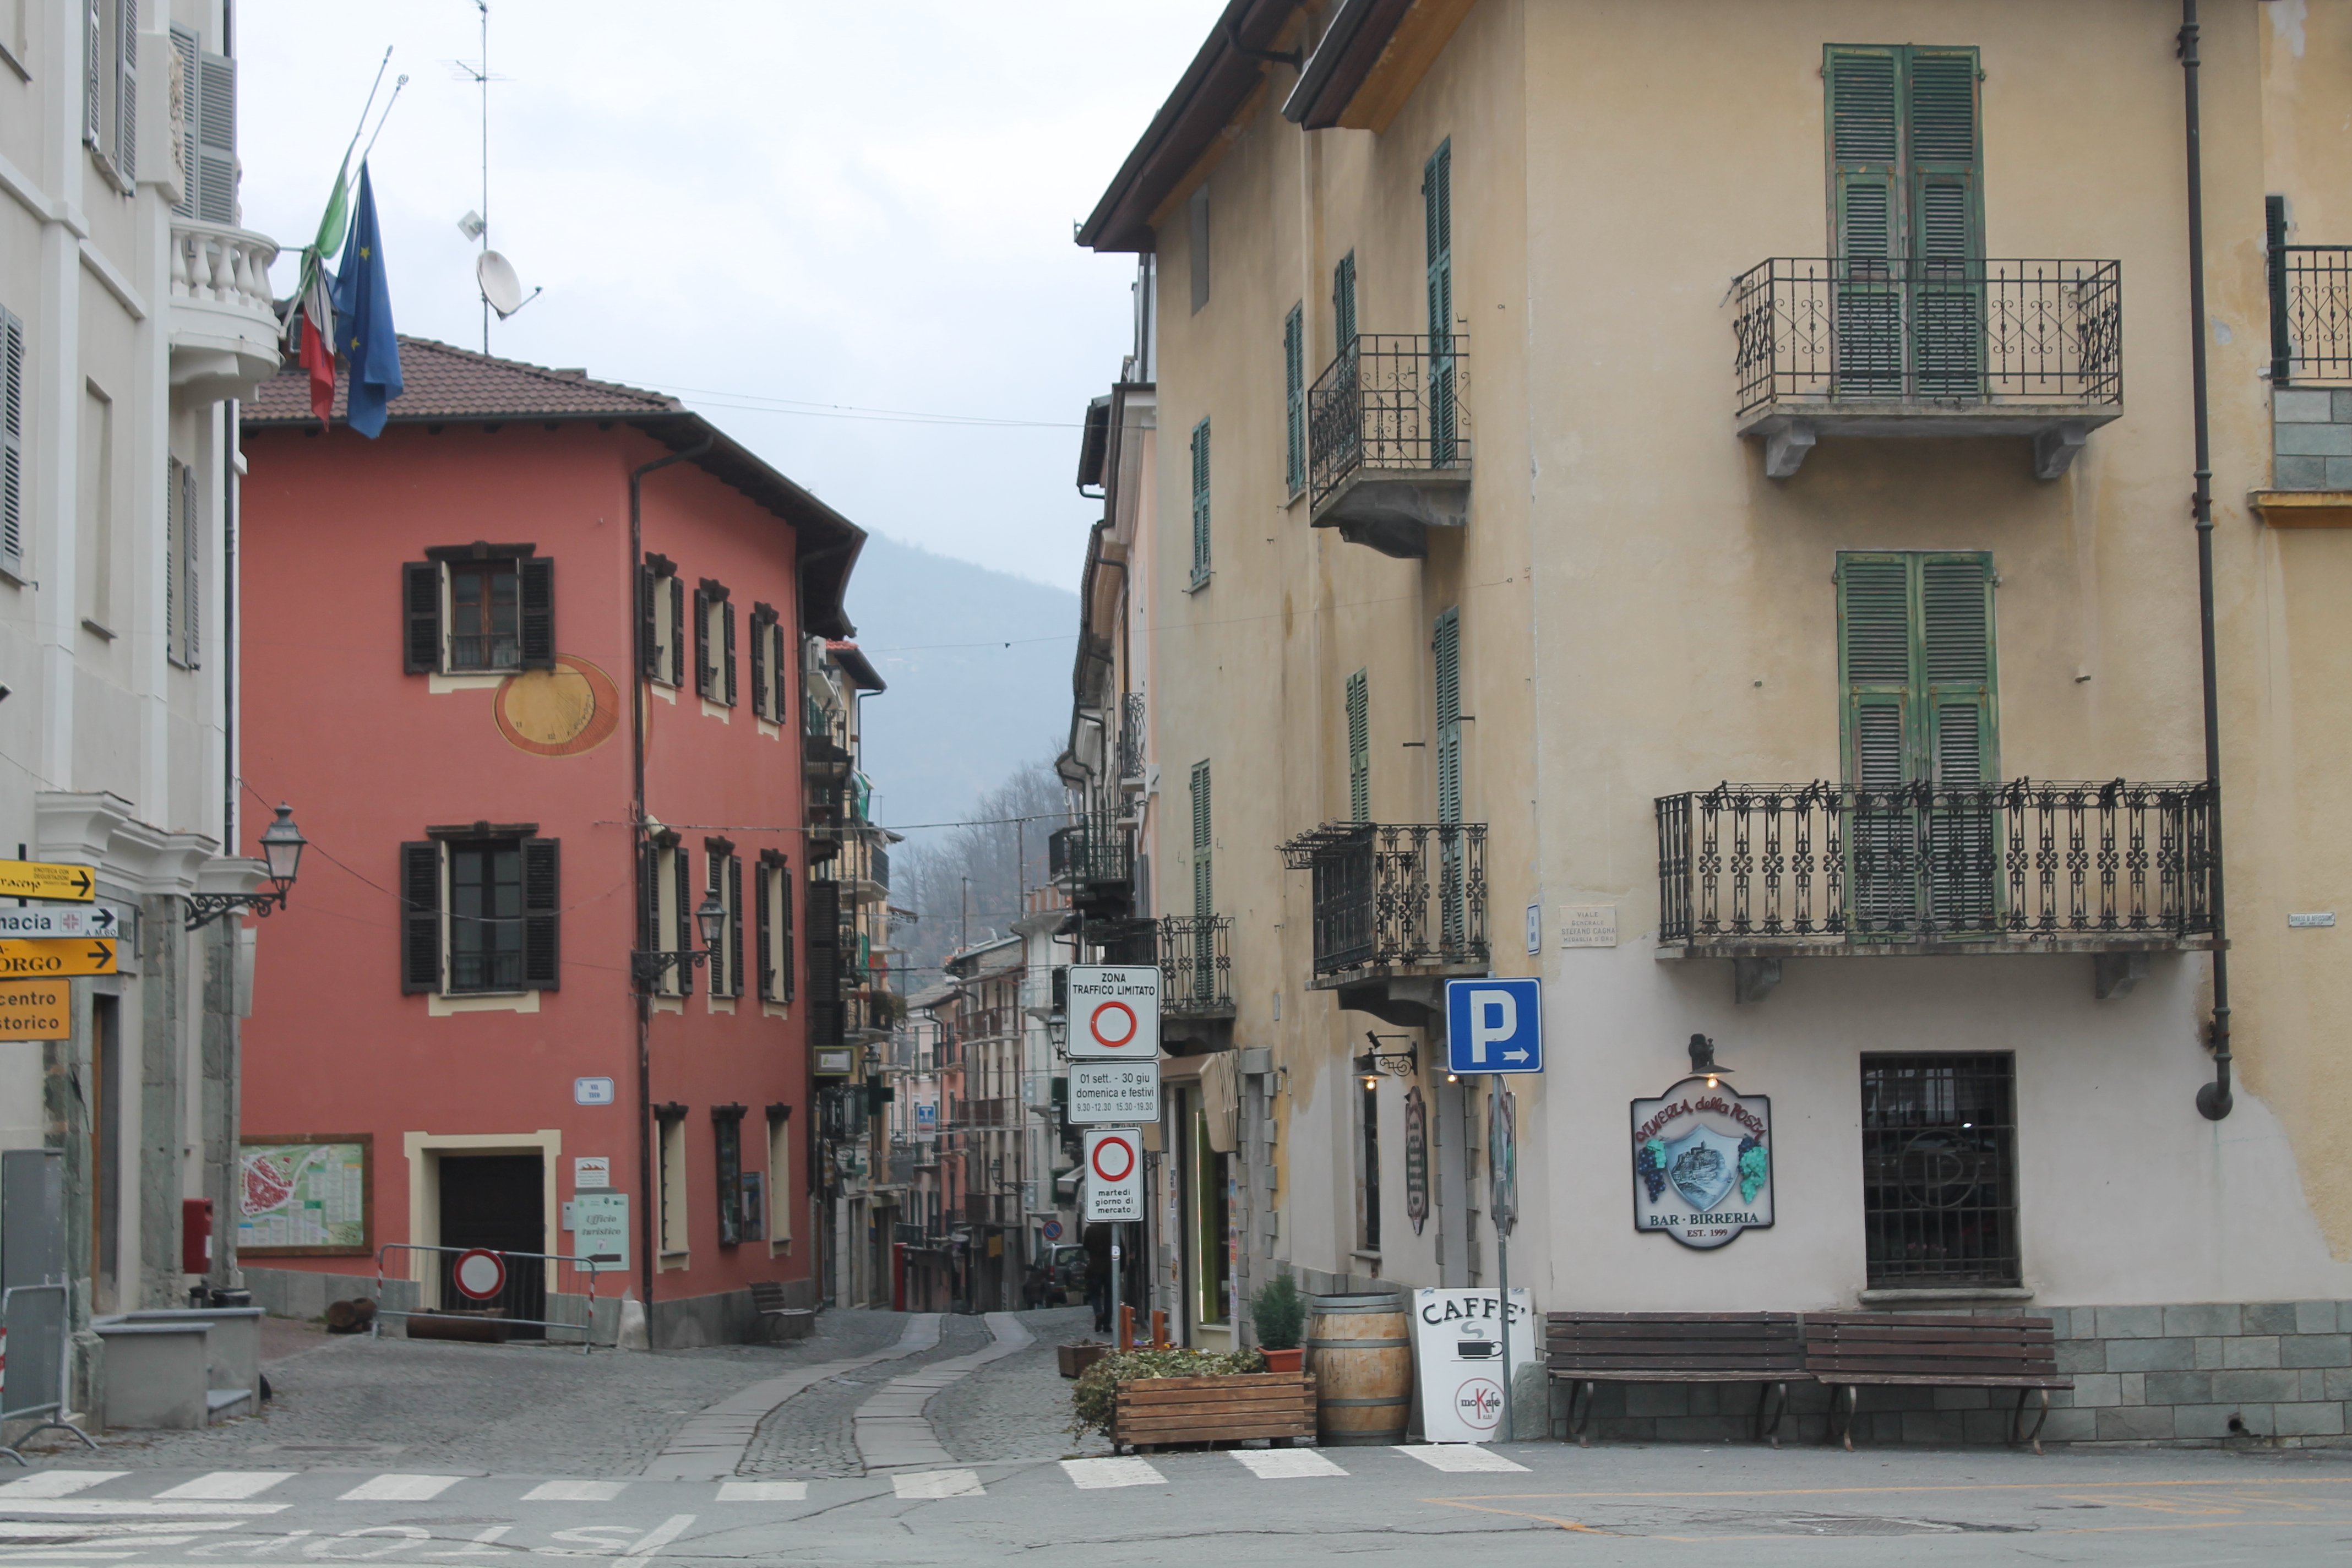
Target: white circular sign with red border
1114 1175
479 1274
1114 1011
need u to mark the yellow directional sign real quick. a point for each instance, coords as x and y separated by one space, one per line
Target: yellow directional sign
37 1010
54 959
33 879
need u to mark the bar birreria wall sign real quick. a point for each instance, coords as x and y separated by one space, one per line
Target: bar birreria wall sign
1703 1162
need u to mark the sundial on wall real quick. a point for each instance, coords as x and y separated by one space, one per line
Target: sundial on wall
561 712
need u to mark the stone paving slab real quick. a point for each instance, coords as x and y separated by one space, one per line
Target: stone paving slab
1018 1406
813 1435
890 1429
712 1445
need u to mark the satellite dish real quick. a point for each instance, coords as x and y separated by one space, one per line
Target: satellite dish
500 287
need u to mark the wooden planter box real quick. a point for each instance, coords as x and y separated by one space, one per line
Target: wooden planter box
1164 1411
1076 1359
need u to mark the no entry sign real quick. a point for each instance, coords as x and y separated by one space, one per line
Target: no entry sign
1114 1175
479 1274
1115 1011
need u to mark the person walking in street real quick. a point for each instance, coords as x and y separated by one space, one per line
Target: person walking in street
1098 1275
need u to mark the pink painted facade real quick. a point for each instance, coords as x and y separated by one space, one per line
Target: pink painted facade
391 999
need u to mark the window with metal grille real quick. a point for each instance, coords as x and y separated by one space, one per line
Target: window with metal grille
1939 1168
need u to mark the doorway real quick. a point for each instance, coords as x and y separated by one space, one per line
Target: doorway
497 1202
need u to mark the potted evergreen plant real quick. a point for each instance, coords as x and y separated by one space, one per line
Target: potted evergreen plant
1278 1313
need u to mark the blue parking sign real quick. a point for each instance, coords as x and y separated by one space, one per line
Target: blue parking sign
1494 1026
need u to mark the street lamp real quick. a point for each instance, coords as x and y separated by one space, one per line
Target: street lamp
710 919
281 851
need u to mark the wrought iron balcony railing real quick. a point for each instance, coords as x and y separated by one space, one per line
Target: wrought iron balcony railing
1196 970
1930 333
1131 737
1389 401
1094 860
1391 896
1764 870
2311 314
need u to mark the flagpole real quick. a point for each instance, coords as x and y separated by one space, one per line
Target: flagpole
382 66
387 114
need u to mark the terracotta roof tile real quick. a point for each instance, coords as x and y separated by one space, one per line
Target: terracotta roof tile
443 381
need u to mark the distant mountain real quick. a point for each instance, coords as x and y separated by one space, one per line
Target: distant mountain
964 710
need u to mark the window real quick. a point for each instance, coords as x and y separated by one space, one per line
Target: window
661 620
725 883
1939 1170
714 643
775 927
1199 503
478 609
94 531
727 1148
1437 221
1359 748
1213 1270
1294 396
827 976
1197 213
665 922
1368 1095
1343 303
110 84
780 1173
1204 892
768 678
182 560
12 443
483 909
208 132
672 1174
1906 203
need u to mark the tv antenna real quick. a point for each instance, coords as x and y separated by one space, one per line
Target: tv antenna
501 290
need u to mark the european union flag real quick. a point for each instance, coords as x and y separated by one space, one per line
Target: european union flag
364 331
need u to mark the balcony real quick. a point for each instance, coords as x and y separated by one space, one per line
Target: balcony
824 742
224 329
1094 861
1130 743
1927 350
1196 970
1762 873
2311 385
1397 910
1388 442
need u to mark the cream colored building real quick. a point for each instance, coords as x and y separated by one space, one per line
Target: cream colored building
134 309
1570 405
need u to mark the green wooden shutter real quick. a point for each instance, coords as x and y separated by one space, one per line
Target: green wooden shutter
1343 303
1294 397
1956 679
1865 161
1875 664
420 916
543 914
1359 748
1200 503
1204 892
1944 221
1437 223
1448 650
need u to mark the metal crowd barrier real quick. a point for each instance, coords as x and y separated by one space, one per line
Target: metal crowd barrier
529 1286
39 1334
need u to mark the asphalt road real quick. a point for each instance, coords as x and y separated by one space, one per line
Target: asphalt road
1535 1503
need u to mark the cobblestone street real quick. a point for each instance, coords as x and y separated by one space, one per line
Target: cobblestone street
810 1433
1019 1409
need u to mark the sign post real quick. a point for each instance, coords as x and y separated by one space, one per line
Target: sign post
1114 1191
1503 1202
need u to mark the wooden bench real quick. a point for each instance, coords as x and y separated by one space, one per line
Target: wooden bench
782 1322
1585 1349
1919 1350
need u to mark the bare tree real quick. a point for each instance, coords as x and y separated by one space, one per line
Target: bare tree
965 884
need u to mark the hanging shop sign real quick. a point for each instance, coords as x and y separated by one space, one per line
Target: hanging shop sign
1702 1157
1416 1158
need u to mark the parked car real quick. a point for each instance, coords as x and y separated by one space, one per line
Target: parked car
1070 1274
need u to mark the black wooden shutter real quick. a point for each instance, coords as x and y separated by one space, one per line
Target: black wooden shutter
824 1025
649 902
421 598
734 926
648 626
677 632
759 703
701 642
785 957
727 616
538 612
764 931
420 916
685 940
542 905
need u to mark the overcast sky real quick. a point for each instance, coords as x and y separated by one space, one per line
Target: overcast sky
747 201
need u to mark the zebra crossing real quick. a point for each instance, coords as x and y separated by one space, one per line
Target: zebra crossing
123 1494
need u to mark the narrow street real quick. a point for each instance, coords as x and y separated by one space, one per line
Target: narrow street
920 1438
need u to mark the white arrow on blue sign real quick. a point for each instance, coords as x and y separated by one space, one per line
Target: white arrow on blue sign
1494 1026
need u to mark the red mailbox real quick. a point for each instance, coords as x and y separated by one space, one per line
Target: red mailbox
195 1235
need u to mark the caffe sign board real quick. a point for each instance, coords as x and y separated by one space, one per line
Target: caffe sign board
1702 1159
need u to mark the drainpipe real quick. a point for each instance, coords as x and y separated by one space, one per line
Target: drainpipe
647 1191
2213 1099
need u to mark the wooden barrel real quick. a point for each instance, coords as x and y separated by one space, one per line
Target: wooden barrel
1360 1351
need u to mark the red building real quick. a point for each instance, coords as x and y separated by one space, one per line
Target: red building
530 666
